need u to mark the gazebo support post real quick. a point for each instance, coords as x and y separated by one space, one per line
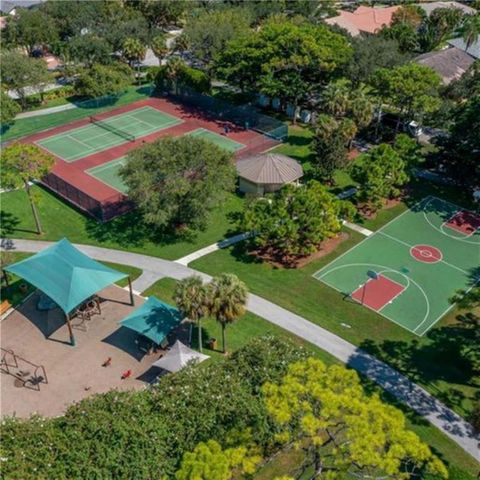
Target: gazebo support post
132 300
72 338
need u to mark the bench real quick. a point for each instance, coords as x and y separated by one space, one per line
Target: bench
4 306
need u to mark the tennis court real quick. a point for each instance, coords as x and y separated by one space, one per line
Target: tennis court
106 133
108 174
408 270
220 140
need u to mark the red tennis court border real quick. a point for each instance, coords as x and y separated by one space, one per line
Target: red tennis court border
426 253
70 180
464 222
375 294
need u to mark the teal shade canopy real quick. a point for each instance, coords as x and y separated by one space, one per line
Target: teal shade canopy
66 275
153 319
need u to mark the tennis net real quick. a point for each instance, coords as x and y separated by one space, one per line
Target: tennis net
110 128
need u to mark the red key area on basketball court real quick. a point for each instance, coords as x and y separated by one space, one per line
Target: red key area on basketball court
375 294
464 222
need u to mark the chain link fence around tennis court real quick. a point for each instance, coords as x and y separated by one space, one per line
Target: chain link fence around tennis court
246 116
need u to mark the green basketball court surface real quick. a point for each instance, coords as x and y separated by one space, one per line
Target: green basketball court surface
409 269
220 140
108 174
93 138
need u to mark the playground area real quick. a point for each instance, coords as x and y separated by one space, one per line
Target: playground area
409 269
89 152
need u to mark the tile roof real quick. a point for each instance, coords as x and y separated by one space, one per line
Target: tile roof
450 63
269 168
364 19
473 50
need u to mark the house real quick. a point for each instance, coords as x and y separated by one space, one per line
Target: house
429 7
267 172
364 20
450 63
473 50
9 7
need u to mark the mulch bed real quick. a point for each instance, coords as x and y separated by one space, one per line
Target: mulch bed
370 214
274 257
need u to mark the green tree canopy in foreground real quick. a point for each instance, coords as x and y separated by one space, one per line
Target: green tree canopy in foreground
102 80
295 221
22 164
176 182
344 432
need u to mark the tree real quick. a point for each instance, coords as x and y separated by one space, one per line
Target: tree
227 296
30 28
22 164
411 14
176 182
344 432
470 30
441 23
210 31
20 72
89 49
369 54
330 145
134 51
405 34
336 97
460 149
159 47
261 61
9 108
162 13
102 80
381 173
209 461
294 221
191 299
411 89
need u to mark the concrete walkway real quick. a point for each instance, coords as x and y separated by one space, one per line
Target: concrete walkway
389 379
45 111
213 248
358 228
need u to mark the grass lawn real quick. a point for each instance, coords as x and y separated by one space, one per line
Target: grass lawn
123 233
435 360
460 464
15 295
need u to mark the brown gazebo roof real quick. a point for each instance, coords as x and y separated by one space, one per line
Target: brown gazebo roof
269 168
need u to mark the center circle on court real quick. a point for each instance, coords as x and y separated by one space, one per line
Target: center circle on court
426 253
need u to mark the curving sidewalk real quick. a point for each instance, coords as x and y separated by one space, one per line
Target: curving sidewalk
389 379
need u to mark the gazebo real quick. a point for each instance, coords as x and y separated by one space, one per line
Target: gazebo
154 319
178 357
67 276
267 172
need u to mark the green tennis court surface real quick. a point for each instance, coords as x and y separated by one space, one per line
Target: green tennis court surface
220 140
93 138
108 174
408 270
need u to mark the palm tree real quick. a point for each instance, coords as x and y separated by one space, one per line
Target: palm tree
361 106
134 51
159 47
228 297
336 98
173 68
470 30
191 298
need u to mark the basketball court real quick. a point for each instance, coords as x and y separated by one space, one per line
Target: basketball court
408 270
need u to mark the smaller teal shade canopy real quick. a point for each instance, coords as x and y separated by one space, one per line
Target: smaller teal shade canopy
65 274
154 319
